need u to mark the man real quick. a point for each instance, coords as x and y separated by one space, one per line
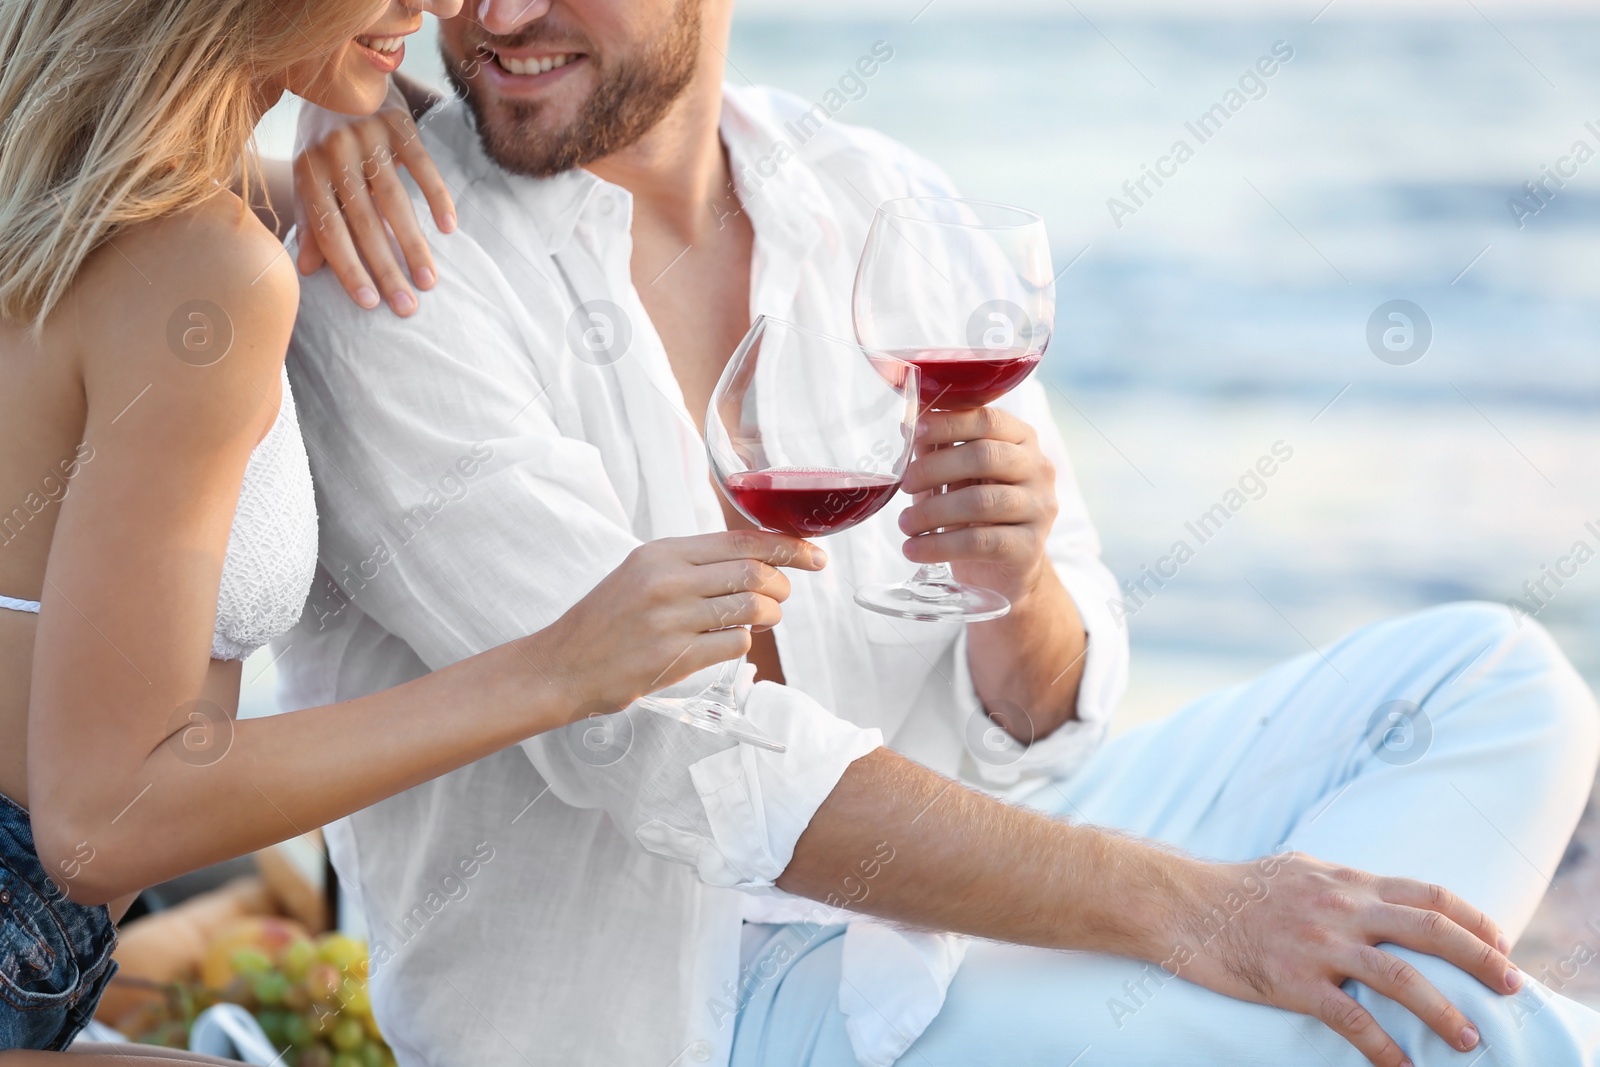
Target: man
484 462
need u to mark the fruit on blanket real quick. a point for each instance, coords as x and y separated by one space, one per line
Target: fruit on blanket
323 982
170 945
355 998
270 987
341 950
319 1020
297 959
274 1024
250 945
298 1032
309 995
298 998
250 962
348 1035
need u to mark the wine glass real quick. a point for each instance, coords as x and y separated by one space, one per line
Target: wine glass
963 290
807 435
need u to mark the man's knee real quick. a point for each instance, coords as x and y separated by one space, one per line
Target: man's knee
1513 1027
1484 624
1556 703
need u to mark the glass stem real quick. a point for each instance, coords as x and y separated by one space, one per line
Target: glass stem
938 577
938 574
720 691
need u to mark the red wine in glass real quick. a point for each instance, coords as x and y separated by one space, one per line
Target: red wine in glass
807 502
964 291
959 379
807 434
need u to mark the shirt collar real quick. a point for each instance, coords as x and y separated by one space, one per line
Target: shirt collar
775 183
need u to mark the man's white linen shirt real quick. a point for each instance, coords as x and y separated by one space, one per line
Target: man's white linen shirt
479 468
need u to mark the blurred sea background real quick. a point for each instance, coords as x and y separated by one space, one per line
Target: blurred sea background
1229 312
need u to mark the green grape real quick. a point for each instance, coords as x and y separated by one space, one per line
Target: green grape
348 1035
298 958
341 950
372 1054
274 1024
346 1059
298 1032
270 988
250 961
356 999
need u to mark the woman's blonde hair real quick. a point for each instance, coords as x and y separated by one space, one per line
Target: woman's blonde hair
115 112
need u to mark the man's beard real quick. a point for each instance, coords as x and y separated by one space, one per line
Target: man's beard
632 96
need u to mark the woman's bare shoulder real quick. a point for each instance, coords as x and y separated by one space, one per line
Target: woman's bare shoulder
208 288
213 260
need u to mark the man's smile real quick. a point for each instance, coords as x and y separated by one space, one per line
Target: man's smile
528 69
532 63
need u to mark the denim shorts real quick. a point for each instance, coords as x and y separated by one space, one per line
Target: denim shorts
55 956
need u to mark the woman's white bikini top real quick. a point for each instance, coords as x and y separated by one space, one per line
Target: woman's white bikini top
272 549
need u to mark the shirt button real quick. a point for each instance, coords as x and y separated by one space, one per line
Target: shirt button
700 1051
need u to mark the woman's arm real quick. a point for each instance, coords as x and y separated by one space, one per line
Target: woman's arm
122 645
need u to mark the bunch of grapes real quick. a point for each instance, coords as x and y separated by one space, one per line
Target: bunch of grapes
313 998
309 995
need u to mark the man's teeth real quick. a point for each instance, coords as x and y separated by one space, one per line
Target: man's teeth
382 44
535 64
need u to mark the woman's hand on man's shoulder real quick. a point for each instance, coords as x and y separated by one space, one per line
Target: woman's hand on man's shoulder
349 200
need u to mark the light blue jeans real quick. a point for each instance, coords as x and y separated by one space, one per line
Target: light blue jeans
1453 746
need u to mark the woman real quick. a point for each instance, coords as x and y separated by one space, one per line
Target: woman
156 518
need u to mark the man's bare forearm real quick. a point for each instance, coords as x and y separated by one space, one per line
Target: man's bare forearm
1031 660
895 840
900 842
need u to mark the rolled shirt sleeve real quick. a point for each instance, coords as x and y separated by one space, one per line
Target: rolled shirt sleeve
758 803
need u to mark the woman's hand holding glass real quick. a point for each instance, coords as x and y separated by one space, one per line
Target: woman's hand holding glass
806 434
673 607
